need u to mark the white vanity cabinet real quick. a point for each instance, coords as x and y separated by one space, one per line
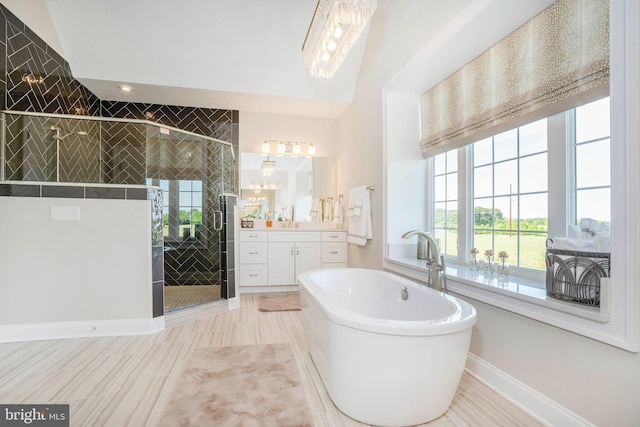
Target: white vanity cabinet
253 258
291 253
272 258
334 249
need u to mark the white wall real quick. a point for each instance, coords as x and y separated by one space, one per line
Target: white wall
94 269
407 52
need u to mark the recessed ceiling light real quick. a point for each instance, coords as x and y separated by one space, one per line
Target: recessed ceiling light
126 88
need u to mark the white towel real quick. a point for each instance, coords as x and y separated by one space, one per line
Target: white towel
338 215
356 198
571 244
359 226
326 216
316 210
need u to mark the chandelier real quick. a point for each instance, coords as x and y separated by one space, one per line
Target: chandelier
268 166
334 28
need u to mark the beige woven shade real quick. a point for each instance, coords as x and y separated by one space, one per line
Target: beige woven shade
556 61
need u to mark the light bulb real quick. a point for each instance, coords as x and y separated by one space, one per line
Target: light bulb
331 46
326 55
311 150
281 147
266 147
337 33
296 149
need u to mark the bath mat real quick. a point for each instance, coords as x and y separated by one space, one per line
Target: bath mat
279 301
249 385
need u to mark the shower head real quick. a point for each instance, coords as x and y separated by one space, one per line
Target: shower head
79 133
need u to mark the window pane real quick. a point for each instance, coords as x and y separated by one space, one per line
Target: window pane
452 214
482 181
185 199
532 250
452 161
482 152
534 212
533 173
482 239
505 213
440 215
164 184
505 145
533 137
594 204
196 185
483 213
452 242
593 165
196 199
184 185
506 177
439 187
439 164
507 242
452 186
592 121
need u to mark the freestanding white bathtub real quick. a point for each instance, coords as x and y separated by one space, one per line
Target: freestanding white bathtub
384 360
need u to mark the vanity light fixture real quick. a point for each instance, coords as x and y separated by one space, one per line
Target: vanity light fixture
334 29
311 150
266 147
292 148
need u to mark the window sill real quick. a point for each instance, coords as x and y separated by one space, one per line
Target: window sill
516 294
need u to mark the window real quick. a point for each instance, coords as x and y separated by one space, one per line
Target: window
446 202
182 208
509 194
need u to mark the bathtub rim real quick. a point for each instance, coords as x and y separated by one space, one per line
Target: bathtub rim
339 314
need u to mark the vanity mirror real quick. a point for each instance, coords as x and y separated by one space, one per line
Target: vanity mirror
288 191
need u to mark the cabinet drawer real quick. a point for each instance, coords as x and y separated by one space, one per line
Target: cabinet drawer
294 236
253 236
334 253
334 236
253 253
253 275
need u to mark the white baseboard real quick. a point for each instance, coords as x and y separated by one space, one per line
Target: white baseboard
526 398
234 303
81 329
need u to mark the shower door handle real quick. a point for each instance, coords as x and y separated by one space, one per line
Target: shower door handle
217 225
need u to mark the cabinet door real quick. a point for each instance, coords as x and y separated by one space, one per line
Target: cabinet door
281 263
308 257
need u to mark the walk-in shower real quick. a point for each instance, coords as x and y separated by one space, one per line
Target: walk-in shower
196 174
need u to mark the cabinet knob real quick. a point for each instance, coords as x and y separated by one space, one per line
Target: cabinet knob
333 252
253 275
253 253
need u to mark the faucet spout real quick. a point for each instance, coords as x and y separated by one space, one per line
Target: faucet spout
428 250
424 247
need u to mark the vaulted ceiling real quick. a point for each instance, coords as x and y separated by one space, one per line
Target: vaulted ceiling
234 54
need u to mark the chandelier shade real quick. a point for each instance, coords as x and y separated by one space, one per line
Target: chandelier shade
334 29
268 166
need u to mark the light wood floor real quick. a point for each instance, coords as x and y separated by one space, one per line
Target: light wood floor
123 381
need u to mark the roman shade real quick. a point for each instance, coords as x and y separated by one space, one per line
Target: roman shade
556 61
